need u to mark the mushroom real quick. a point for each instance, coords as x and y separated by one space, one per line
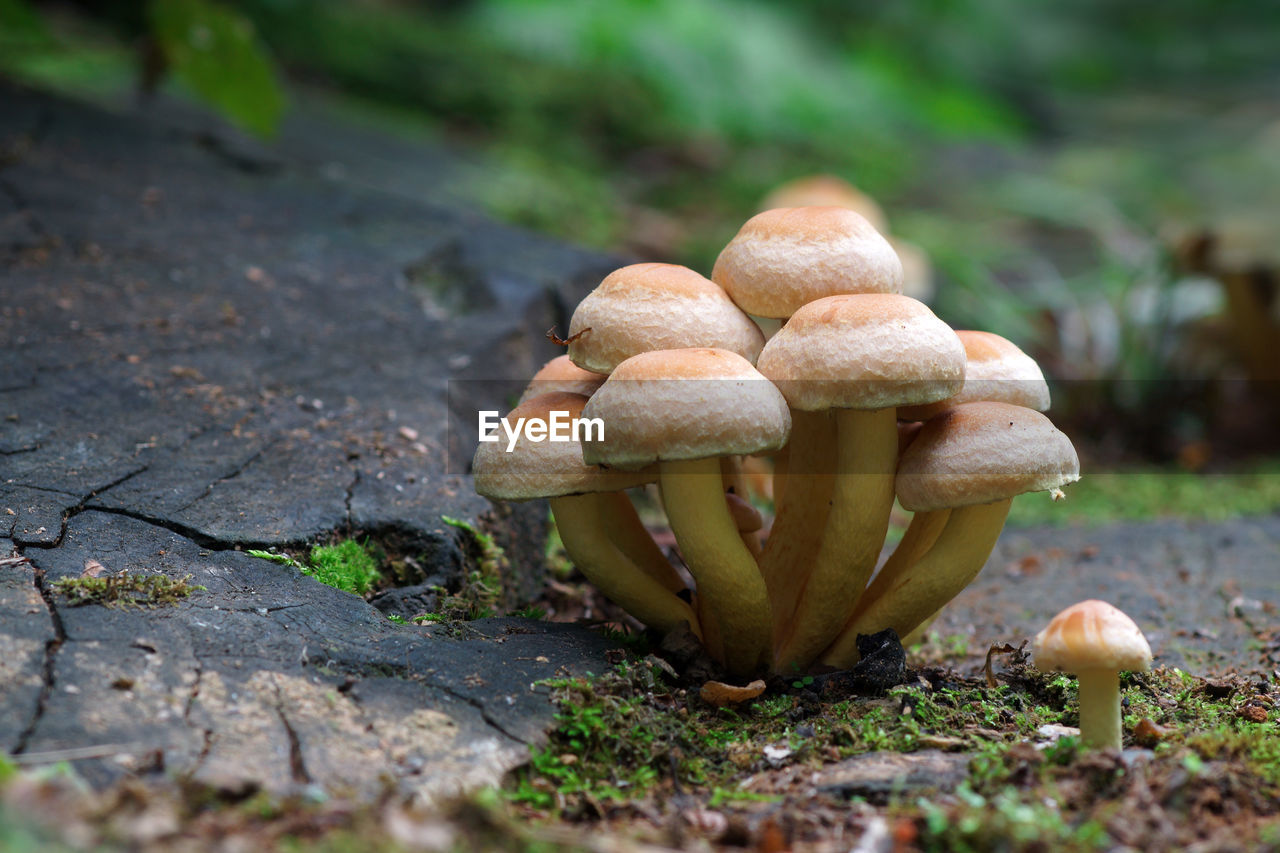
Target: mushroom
995 370
971 460
597 523
561 374
782 259
862 355
831 191
646 307
685 409
1094 641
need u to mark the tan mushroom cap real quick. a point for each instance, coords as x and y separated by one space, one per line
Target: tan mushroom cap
561 374
865 351
784 258
645 307
978 453
545 469
685 404
1091 635
996 370
827 191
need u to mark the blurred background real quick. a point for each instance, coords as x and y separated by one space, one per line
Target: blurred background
1097 181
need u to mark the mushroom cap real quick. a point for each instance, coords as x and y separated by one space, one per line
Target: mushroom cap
545 469
783 258
646 307
685 404
978 453
827 191
561 374
1091 635
994 370
864 351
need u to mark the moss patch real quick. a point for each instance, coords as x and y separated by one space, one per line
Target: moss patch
633 744
125 590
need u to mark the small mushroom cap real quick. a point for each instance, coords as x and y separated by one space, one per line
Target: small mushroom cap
864 351
978 453
685 404
1091 635
561 374
995 370
645 307
545 469
827 191
784 258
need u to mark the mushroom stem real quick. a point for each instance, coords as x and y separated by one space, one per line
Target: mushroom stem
861 500
951 564
1100 708
922 532
802 491
729 583
622 524
734 483
581 522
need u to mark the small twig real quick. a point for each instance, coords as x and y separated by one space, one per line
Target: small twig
564 342
1003 649
75 754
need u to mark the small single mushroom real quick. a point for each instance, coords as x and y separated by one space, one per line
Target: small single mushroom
1094 641
597 523
646 307
685 409
972 460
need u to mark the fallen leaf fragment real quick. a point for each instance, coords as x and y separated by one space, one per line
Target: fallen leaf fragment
93 569
720 694
1147 733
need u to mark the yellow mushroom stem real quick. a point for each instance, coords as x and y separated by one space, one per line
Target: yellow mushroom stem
1100 708
581 520
919 537
730 587
802 493
961 550
734 483
622 524
861 500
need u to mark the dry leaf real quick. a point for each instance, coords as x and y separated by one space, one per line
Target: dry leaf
93 569
720 694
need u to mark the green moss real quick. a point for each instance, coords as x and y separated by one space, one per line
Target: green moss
125 590
348 565
481 591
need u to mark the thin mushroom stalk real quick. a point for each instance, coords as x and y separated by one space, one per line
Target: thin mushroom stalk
1100 720
728 578
803 494
581 520
951 564
861 500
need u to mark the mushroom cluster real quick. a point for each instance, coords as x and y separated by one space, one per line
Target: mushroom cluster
862 396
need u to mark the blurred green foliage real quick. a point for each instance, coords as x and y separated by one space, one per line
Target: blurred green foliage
1034 151
215 52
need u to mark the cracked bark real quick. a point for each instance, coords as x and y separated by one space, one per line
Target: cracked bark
51 650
